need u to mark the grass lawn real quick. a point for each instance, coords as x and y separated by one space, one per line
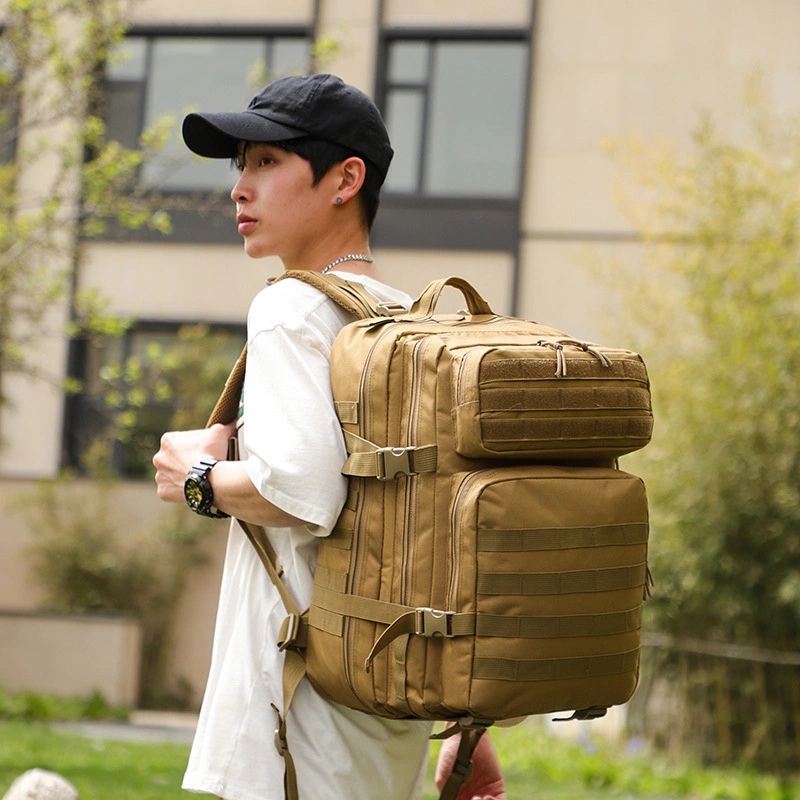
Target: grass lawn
536 767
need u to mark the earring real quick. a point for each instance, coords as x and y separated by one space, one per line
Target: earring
339 201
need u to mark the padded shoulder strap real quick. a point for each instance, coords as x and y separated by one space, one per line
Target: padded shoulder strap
227 406
350 296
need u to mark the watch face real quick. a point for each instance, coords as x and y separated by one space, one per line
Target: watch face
193 493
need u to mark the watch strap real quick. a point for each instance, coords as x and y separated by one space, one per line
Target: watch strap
200 473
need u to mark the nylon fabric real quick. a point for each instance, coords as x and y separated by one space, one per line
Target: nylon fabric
491 560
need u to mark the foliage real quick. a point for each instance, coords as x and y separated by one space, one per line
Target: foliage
162 385
99 769
716 312
61 180
535 765
31 706
89 555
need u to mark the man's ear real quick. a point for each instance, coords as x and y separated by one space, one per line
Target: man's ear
350 174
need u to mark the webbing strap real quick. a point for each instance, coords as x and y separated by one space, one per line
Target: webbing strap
423 622
368 460
352 605
425 304
227 406
291 637
294 669
554 669
347 411
351 296
330 606
327 621
262 545
351 502
571 626
471 732
543 583
340 538
532 539
282 746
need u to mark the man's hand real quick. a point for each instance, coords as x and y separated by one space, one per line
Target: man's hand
180 450
486 781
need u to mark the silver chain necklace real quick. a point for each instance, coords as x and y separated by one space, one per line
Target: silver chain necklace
350 257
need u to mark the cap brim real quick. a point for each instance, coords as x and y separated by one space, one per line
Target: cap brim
218 135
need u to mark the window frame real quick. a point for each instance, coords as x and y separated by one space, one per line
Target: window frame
198 215
457 222
78 410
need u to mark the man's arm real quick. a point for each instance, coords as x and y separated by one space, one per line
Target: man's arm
234 492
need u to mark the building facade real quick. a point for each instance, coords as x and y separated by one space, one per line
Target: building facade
496 111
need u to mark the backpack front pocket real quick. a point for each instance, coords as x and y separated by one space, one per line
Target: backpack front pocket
553 563
555 399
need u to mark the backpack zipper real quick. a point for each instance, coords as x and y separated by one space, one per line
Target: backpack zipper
460 503
411 485
355 554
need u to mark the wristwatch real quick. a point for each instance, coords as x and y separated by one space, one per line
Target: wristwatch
198 492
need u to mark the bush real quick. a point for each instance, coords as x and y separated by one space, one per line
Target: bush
87 557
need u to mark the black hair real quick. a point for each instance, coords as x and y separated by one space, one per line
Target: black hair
322 155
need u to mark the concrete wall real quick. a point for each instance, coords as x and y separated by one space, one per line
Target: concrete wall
71 656
68 655
614 67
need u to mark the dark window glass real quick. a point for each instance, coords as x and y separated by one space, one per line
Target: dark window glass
9 103
154 77
157 377
455 112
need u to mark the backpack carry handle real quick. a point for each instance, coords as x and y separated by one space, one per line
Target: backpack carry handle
425 304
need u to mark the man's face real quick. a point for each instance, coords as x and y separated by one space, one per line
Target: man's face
278 211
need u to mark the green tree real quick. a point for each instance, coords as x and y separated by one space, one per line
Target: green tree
60 179
164 386
716 312
90 556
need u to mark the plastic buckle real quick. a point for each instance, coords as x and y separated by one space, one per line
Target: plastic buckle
595 712
432 622
289 631
393 461
392 309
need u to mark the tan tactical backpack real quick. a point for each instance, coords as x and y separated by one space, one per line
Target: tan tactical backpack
491 560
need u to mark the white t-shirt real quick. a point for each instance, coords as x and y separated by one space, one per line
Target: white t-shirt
295 451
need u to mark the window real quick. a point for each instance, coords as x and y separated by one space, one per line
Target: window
157 377
9 101
157 76
455 110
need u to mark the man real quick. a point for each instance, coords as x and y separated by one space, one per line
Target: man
312 154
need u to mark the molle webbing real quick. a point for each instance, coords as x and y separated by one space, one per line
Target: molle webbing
552 431
516 541
513 369
554 669
555 583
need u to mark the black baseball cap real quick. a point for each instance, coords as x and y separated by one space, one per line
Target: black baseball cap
320 106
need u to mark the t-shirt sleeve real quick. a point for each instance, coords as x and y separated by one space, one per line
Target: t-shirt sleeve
292 435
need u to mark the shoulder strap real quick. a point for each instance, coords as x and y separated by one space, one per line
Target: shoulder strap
291 636
227 406
357 300
351 296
